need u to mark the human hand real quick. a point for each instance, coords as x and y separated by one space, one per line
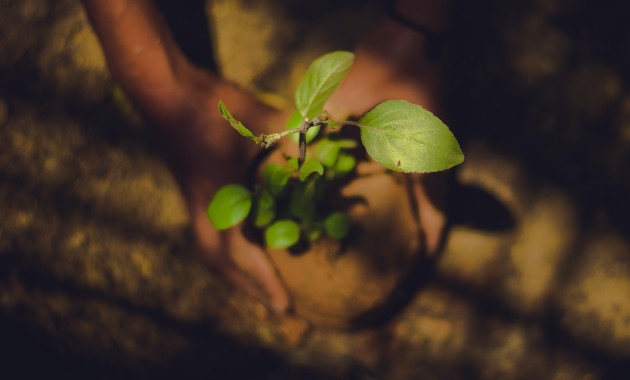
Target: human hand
205 154
394 61
391 63
178 103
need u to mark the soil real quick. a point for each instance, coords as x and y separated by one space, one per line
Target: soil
334 284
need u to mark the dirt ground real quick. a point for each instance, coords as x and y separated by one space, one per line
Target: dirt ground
98 278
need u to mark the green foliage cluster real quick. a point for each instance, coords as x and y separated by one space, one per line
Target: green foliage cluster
287 204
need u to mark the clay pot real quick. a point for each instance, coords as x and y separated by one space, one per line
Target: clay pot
333 285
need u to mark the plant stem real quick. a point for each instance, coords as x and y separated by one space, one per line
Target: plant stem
302 145
289 132
345 122
306 124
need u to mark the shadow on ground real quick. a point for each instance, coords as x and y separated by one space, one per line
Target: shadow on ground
97 274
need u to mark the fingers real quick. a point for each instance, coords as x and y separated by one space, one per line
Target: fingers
391 63
240 262
246 267
429 195
179 102
253 261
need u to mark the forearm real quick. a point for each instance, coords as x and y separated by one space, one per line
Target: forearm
410 32
432 14
141 54
392 61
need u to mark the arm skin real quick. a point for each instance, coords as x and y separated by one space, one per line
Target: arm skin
178 102
391 63
179 105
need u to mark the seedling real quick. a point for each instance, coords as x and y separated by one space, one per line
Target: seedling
288 203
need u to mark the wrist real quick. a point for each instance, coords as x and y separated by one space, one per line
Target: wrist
426 18
432 15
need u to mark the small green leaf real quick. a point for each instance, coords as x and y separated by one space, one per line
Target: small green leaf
295 122
321 80
293 163
276 177
229 206
235 123
269 140
345 143
327 150
309 167
313 232
337 225
311 133
407 138
302 202
282 234
345 163
264 209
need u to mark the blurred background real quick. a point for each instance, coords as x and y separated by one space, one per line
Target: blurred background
98 278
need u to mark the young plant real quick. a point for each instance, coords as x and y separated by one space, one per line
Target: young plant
287 206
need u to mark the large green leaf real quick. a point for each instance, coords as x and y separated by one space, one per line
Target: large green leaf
407 138
322 78
282 234
229 206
